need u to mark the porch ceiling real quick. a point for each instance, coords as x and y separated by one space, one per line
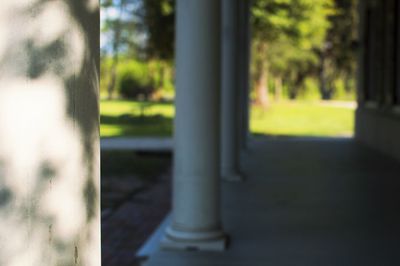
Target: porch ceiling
307 202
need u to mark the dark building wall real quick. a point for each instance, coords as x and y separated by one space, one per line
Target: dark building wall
378 115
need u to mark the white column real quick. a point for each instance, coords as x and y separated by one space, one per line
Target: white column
196 187
49 133
230 91
244 73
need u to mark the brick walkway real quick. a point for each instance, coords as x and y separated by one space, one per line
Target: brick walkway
131 212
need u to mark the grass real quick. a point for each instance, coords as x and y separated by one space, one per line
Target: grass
300 118
303 119
130 118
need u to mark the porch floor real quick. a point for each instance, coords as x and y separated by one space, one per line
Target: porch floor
307 202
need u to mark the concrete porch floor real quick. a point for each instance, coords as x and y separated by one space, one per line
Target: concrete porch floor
307 202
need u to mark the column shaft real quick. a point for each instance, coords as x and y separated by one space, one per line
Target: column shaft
230 91
244 73
196 190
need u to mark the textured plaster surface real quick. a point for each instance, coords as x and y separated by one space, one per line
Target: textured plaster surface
49 140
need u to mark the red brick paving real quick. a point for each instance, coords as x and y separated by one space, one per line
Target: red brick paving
126 228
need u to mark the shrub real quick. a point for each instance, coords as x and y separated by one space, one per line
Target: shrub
134 81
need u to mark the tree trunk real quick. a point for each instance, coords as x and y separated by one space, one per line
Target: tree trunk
161 84
113 79
278 89
262 77
326 93
347 84
262 90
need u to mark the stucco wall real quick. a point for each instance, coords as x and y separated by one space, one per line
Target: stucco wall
378 115
49 133
379 130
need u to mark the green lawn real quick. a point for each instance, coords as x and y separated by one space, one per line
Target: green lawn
303 119
129 118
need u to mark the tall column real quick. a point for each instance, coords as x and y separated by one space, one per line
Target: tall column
196 195
49 133
362 53
230 91
244 73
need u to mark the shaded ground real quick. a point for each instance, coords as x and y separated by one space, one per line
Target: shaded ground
138 126
138 144
307 202
135 199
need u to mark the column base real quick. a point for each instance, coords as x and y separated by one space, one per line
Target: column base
195 241
232 176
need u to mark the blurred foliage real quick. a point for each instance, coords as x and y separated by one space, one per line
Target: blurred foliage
138 79
338 55
299 48
137 48
117 26
157 22
295 41
285 36
134 80
303 21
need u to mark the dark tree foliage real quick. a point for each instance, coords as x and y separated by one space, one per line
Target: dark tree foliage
337 56
157 23
343 34
285 34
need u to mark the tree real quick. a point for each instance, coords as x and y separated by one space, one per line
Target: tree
157 23
285 34
337 57
118 26
139 30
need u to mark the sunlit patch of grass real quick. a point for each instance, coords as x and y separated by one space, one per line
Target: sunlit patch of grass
303 119
139 119
298 118
120 107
